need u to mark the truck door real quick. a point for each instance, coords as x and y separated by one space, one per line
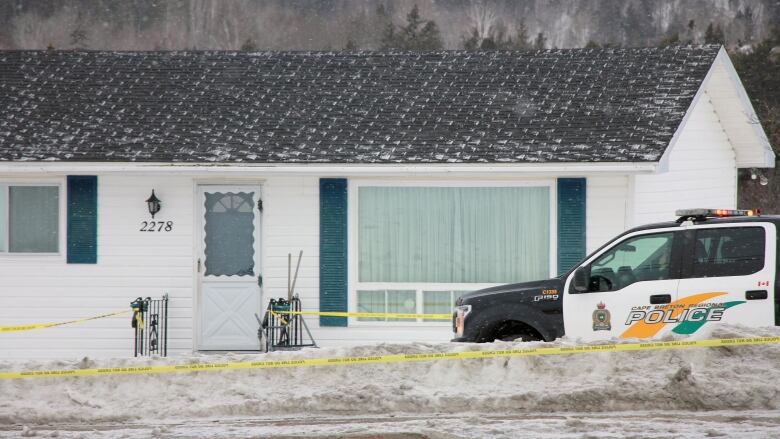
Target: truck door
631 277
728 275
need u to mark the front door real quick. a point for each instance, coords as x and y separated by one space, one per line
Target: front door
633 279
229 269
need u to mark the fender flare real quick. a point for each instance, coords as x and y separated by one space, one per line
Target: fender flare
488 319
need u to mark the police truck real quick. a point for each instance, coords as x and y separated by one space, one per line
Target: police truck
710 266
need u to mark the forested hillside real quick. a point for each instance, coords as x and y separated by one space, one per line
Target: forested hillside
334 24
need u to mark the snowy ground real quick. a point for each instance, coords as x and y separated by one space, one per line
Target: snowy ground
726 424
696 393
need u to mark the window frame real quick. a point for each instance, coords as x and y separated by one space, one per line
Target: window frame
354 185
674 255
690 246
60 184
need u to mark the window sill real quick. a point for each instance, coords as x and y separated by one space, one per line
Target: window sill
41 256
354 322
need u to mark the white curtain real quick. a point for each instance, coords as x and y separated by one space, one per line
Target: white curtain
33 221
453 234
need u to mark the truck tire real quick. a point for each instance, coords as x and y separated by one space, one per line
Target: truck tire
515 331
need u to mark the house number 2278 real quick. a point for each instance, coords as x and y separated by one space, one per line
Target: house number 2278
156 226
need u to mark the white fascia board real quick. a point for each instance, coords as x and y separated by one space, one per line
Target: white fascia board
664 162
760 138
325 170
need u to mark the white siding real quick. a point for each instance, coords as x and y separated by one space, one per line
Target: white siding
737 116
606 209
291 223
37 289
702 171
132 263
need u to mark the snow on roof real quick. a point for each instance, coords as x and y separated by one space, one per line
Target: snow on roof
574 105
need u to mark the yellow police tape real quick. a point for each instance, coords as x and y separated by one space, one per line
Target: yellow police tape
393 358
370 315
32 326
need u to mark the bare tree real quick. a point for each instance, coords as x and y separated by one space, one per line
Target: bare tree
483 19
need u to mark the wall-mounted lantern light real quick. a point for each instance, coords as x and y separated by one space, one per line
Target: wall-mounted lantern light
153 203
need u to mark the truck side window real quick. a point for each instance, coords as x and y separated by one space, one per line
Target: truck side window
737 251
641 258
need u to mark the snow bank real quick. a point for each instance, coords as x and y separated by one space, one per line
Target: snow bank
690 379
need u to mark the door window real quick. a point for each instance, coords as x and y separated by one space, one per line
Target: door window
732 251
637 259
229 234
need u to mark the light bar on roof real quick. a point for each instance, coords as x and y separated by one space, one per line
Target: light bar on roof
716 213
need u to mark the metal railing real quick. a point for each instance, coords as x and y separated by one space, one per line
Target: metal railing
150 321
282 330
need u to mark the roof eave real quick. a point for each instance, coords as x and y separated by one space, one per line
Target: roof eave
758 136
758 139
269 169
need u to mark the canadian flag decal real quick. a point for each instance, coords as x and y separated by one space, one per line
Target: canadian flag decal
763 283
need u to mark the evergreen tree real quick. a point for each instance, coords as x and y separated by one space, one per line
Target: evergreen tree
498 39
472 42
521 37
389 38
248 45
759 71
429 38
692 32
714 35
540 42
418 34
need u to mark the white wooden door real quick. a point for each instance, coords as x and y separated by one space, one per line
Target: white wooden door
229 270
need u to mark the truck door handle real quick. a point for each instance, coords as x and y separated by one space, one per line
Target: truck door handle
756 295
658 299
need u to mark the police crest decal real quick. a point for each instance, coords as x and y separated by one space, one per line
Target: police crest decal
601 318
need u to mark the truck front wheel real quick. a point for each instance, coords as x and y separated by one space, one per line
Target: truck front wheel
515 331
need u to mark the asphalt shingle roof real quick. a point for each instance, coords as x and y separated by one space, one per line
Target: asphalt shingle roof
577 105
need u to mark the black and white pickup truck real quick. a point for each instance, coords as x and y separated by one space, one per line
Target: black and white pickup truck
710 266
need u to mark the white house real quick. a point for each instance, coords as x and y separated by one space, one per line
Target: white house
405 178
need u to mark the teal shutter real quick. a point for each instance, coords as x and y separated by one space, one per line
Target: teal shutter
571 222
333 249
82 219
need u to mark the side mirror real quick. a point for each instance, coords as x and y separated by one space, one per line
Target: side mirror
581 280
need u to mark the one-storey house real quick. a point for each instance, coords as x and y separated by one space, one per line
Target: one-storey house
405 179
